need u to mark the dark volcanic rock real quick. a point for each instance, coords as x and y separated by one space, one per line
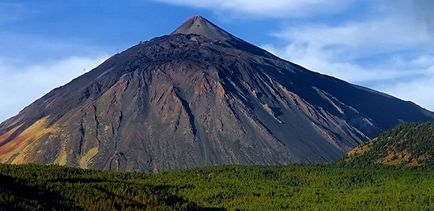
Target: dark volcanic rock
199 96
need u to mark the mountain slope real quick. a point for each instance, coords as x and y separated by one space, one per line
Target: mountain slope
197 97
409 144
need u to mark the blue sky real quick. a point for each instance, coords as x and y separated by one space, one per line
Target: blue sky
387 45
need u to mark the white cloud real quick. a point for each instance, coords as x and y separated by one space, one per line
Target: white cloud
334 50
362 35
269 8
21 85
418 91
323 61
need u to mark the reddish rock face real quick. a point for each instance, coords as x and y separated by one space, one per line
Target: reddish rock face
197 97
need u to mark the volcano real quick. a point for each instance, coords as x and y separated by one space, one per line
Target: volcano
199 96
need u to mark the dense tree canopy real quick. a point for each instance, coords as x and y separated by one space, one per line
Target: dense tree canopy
246 187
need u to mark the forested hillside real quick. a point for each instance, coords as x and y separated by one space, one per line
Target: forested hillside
254 187
409 144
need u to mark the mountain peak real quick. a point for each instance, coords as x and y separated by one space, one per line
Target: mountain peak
212 100
201 26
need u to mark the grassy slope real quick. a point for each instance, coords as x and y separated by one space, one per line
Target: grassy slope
290 187
409 144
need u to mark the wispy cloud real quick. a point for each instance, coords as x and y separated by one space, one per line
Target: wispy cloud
269 8
27 49
12 11
342 50
20 85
